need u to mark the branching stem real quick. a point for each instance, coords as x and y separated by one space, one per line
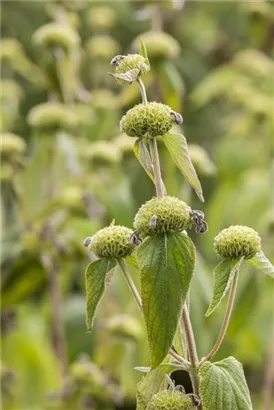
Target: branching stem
138 299
229 308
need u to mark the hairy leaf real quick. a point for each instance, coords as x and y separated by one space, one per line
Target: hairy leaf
143 52
260 262
223 276
177 146
129 76
166 262
142 154
154 381
223 386
95 284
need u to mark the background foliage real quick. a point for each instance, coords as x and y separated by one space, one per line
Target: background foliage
61 183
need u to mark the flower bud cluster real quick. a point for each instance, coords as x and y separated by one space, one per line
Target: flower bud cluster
171 400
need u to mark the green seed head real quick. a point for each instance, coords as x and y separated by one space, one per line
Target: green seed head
159 45
237 241
132 61
102 47
52 116
102 152
170 400
11 144
56 35
10 49
112 242
147 120
161 215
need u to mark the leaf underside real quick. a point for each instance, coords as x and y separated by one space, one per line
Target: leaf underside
95 277
166 262
223 276
129 76
177 146
142 154
260 262
223 386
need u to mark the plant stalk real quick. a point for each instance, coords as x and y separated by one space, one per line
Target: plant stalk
159 185
229 308
138 299
142 90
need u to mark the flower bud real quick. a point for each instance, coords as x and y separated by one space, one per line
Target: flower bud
12 144
170 400
147 120
56 35
52 115
237 241
161 215
112 242
100 18
159 45
102 47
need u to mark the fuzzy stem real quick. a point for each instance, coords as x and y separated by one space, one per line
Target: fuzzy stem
193 356
229 308
159 185
138 299
142 90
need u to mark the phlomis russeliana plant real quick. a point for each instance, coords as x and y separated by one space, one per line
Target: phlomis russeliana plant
165 256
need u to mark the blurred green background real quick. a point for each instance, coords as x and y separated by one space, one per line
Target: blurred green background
66 171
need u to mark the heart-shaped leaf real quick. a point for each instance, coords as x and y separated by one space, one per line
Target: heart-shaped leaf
95 285
128 77
166 262
223 276
177 146
260 262
223 386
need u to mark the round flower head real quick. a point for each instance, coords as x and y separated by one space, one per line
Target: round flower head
159 45
56 35
237 241
131 61
51 116
102 47
112 242
170 400
147 120
101 18
11 144
161 215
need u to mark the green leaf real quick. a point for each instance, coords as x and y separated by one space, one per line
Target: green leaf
166 263
153 382
142 154
223 276
95 285
260 262
143 52
129 76
177 146
223 386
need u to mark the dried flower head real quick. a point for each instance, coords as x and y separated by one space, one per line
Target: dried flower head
237 241
147 120
159 45
161 215
112 242
56 35
52 115
170 400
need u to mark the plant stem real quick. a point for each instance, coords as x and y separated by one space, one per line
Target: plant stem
229 308
159 185
192 351
142 90
138 299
